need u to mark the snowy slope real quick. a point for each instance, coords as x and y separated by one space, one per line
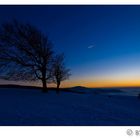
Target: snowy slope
32 107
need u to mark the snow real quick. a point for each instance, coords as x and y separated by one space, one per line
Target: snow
32 107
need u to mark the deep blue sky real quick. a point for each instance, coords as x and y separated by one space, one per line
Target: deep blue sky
101 43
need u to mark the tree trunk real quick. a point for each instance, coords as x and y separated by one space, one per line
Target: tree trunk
58 85
44 83
44 88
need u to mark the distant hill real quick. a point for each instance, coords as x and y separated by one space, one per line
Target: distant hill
82 89
79 87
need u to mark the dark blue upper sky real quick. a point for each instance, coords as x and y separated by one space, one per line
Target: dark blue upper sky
101 43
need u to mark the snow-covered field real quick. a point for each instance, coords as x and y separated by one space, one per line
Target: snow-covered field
32 107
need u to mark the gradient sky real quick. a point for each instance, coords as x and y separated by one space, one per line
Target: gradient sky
101 43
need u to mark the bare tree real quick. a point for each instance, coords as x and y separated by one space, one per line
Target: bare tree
25 53
60 72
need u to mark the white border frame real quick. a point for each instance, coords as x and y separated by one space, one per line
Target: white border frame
68 133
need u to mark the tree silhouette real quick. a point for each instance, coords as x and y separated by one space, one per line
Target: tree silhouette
25 53
60 72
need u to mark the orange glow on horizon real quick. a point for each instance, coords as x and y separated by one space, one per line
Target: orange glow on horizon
103 83
89 83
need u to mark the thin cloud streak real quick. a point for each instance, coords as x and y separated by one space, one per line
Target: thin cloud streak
91 46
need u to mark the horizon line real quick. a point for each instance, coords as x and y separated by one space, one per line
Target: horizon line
70 86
